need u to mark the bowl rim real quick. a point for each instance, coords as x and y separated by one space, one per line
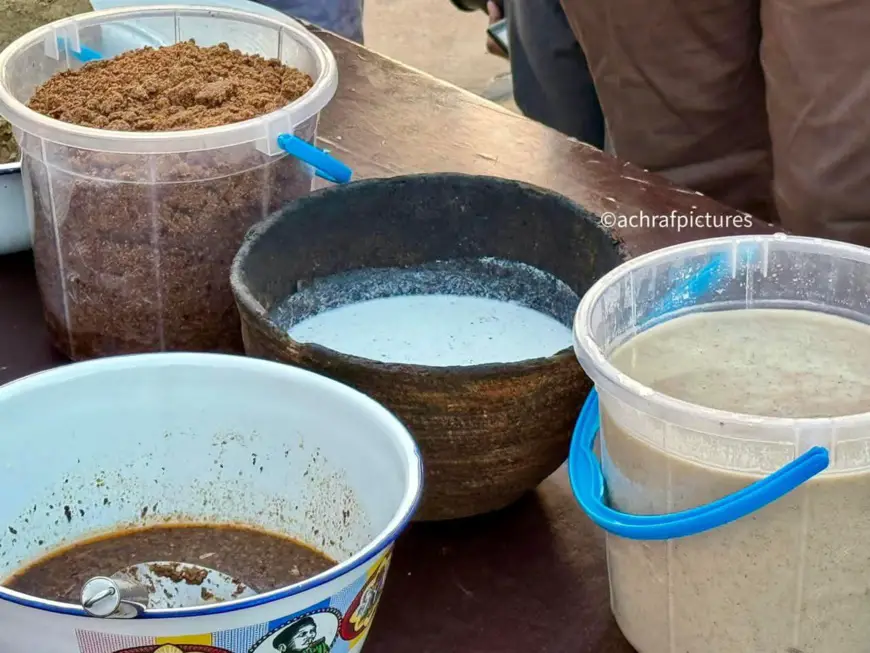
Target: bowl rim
10 168
377 545
323 354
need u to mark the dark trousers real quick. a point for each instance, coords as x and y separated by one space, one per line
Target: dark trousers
696 90
762 104
551 79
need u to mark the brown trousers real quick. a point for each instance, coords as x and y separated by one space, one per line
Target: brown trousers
762 104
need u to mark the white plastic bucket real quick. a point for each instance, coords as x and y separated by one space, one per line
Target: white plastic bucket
178 431
739 533
133 232
15 230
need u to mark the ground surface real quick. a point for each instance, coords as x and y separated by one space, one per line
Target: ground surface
437 38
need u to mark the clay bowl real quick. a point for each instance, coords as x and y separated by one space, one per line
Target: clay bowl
489 432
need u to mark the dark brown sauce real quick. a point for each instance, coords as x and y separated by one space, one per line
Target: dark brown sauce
261 560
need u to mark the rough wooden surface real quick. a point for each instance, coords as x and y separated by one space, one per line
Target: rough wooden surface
531 578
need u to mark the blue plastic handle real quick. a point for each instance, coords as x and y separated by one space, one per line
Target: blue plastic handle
700 283
325 165
84 55
587 482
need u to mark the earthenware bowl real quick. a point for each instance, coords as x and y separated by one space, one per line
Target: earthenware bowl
488 432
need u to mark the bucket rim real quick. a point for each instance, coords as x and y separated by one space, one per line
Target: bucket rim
675 411
264 127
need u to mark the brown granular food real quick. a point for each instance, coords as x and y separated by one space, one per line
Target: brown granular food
133 250
181 86
8 148
18 18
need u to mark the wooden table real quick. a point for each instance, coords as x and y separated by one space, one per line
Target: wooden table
531 579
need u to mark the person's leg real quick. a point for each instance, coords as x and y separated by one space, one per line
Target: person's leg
551 79
344 17
816 58
682 90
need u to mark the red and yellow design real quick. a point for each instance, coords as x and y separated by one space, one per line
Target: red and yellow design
361 612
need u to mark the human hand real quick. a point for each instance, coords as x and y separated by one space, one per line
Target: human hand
495 14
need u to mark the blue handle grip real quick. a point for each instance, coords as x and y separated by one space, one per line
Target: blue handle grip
699 284
325 165
84 55
587 482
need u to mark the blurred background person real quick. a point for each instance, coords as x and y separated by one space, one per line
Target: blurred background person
551 79
344 17
685 94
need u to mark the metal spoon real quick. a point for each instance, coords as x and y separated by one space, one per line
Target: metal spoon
156 585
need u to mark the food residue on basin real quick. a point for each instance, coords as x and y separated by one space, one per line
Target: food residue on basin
257 558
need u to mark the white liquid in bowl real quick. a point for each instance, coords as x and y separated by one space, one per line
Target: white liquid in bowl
436 329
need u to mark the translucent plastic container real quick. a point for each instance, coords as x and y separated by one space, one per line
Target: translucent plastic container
727 533
134 232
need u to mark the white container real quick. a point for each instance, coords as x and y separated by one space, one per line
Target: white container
15 230
14 223
783 564
179 431
123 220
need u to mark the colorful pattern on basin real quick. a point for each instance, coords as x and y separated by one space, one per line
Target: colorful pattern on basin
340 625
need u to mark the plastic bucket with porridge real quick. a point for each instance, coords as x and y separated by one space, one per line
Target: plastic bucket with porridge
733 396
